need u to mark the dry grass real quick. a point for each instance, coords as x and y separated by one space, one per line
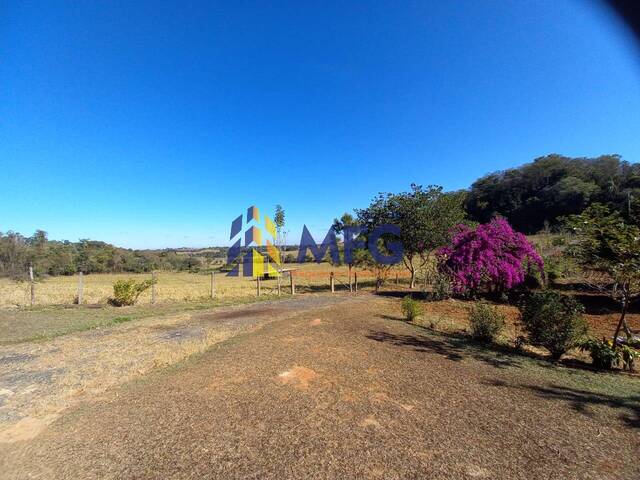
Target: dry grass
172 286
357 395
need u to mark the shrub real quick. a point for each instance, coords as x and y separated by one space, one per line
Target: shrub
126 292
628 356
486 322
602 353
491 256
411 309
441 286
553 321
605 356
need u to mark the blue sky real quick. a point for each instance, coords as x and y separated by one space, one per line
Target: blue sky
154 124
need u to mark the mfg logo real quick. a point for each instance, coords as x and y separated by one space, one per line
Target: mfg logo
261 258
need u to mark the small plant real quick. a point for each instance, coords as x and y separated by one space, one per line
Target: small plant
126 292
441 286
411 309
118 320
553 321
486 322
605 356
628 355
602 353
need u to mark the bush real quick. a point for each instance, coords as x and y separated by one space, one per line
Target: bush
604 356
126 292
491 256
411 309
553 321
441 286
486 322
602 353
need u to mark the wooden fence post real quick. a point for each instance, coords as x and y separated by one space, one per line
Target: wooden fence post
32 287
279 283
258 284
350 283
80 287
213 285
396 279
154 279
331 282
293 285
355 275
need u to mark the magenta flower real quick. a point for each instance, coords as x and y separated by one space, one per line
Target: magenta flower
492 255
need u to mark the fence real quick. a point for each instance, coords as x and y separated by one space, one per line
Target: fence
182 286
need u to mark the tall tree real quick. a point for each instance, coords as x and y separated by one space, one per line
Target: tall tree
610 245
281 235
426 217
346 221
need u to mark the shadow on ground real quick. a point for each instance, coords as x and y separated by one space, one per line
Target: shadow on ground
452 347
581 401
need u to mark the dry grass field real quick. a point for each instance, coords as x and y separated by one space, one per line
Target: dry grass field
173 286
314 386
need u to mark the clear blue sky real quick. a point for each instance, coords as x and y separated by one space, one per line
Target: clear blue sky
154 124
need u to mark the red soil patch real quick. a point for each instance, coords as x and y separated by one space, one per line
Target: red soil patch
298 377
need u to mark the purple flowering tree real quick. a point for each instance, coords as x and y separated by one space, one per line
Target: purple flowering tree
491 256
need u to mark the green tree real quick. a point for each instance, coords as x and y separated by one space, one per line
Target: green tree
281 235
610 245
346 220
425 216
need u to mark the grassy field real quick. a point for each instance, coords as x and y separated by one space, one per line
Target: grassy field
172 286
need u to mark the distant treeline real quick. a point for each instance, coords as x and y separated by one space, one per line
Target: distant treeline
50 257
531 197
536 195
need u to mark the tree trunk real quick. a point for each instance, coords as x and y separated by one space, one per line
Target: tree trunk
408 262
622 323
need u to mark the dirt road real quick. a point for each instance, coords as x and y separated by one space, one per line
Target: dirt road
345 390
39 380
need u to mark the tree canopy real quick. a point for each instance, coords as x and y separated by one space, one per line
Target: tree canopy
608 244
425 215
540 193
50 257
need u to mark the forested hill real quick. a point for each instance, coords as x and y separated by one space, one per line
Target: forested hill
539 193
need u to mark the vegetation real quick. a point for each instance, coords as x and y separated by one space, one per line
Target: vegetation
598 199
54 258
491 256
610 246
339 225
553 321
602 353
540 193
126 292
281 234
606 355
486 322
425 217
441 286
411 309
